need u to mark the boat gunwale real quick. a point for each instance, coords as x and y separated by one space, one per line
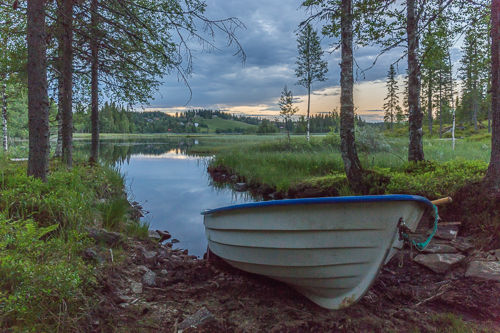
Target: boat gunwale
324 200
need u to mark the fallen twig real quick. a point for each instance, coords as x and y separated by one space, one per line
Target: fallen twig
176 327
429 299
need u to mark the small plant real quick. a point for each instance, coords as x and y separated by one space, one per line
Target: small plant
114 213
332 139
43 280
370 139
287 110
449 323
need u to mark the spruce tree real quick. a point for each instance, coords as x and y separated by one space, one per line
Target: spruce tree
287 110
392 104
311 67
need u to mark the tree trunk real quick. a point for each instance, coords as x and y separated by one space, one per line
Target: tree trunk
66 96
38 101
352 165
94 149
58 150
475 104
308 108
429 104
489 119
4 114
492 178
440 104
415 149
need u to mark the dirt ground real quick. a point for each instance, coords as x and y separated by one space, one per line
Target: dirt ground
410 298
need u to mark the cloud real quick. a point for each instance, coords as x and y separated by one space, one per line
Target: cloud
221 81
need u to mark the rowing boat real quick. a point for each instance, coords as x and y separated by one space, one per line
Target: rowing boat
329 249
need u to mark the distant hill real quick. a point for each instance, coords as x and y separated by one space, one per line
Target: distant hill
219 125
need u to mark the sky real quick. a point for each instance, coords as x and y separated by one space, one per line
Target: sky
222 82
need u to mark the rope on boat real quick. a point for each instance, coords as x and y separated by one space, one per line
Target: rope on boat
404 232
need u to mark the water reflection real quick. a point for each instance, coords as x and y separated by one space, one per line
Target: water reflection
169 178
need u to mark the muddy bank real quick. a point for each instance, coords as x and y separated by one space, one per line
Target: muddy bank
223 175
150 287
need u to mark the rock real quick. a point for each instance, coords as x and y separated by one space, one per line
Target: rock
136 287
199 322
496 253
439 263
90 254
447 231
439 248
186 252
462 244
142 269
104 236
484 256
149 279
153 234
124 299
163 272
489 270
169 245
491 257
240 187
149 254
164 235
174 241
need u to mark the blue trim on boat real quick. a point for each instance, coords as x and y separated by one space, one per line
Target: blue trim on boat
328 200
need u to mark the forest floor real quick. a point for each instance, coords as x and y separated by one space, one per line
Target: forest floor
404 298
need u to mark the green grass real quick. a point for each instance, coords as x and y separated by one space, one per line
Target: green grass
222 124
45 285
282 165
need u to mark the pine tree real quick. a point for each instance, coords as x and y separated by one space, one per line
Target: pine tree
474 72
392 104
38 160
287 110
492 177
311 68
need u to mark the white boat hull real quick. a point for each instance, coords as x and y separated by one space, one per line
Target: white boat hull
329 252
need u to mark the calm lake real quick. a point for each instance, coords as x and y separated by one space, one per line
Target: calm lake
171 183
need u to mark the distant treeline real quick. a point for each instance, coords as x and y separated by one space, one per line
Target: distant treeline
115 118
318 123
209 114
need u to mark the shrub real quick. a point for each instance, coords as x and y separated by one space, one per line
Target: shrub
43 281
332 139
370 139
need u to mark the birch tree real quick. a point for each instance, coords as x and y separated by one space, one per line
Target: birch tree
342 22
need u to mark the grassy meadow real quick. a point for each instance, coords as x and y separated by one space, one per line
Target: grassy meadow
282 165
222 124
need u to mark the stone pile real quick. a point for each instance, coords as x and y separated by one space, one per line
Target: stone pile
447 251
